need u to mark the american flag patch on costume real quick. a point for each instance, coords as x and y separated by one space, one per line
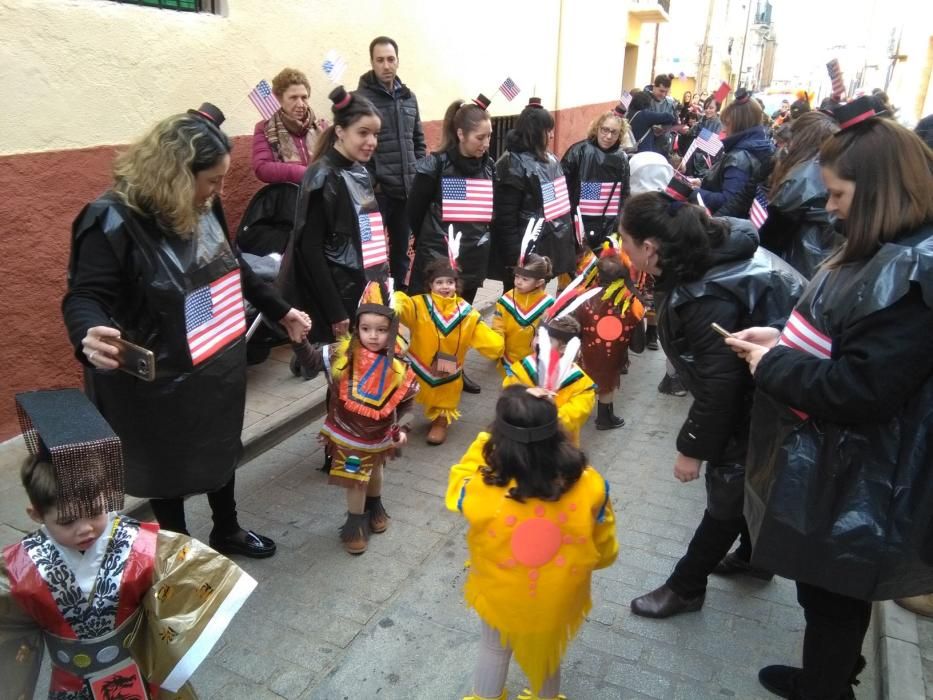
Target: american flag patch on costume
466 199
373 239
214 316
599 197
555 198
800 334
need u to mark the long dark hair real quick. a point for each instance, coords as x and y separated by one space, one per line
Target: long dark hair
685 234
893 174
530 134
461 115
351 111
545 469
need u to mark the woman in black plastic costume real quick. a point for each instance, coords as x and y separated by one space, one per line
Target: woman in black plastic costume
150 263
839 496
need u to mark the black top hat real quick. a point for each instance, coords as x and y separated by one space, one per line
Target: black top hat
742 96
855 112
209 112
535 102
678 189
482 101
63 427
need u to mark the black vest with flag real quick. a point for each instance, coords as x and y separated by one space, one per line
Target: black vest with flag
463 198
184 302
849 507
545 196
598 183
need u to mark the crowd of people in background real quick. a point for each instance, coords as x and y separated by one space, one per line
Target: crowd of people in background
784 269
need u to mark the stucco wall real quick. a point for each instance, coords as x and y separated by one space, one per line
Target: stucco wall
88 74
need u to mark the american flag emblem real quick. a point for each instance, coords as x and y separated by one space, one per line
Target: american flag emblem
835 75
555 198
758 214
214 316
708 142
626 98
509 89
599 197
373 239
262 98
466 199
800 334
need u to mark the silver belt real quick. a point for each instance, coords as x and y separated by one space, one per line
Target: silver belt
85 657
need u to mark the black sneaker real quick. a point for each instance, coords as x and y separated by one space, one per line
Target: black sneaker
469 386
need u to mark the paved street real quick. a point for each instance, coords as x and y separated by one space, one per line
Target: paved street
391 624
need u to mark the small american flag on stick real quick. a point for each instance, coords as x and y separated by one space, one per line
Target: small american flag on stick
466 199
555 198
214 316
262 98
372 239
758 214
626 98
708 142
835 75
509 89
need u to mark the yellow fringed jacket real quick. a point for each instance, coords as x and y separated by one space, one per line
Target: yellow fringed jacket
530 563
516 319
447 325
575 399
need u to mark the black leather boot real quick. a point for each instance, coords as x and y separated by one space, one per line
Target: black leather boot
605 419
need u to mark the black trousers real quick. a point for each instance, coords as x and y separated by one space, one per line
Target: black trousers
170 512
395 218
832 641
722 523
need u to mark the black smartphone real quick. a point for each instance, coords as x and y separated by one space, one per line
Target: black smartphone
134 359
722 331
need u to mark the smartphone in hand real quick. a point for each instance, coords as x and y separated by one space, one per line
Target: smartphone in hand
134 359
722 331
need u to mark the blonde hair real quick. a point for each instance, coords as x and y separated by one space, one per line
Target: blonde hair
156 175
595 125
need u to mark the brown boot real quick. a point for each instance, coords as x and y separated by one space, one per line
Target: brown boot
438 432
378 518
355 532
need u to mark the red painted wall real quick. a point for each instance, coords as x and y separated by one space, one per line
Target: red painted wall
42 193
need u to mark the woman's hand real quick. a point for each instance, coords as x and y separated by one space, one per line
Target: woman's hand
341 328
750 352
686 468
759 335
98 351
694 182
297 324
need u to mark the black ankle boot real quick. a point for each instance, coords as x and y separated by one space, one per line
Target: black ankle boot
469 386
605 420
651 338
612 412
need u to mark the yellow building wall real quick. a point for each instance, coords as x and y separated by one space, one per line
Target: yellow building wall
92 72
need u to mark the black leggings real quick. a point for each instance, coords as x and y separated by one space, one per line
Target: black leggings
170 512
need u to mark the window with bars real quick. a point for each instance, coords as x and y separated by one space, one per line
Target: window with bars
210 6
500 127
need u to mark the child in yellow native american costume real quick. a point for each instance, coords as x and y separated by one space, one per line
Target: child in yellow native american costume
443 327
607 321
126 610
553 366
540 522
520 310
370 391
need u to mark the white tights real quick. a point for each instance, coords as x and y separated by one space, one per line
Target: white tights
492 666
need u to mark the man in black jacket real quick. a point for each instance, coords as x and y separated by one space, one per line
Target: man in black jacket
401 143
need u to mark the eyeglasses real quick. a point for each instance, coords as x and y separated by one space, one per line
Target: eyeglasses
606 131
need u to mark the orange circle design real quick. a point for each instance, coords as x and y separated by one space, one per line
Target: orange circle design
535 542
609 328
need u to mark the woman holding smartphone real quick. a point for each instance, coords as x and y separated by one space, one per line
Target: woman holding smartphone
707 271
150 263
